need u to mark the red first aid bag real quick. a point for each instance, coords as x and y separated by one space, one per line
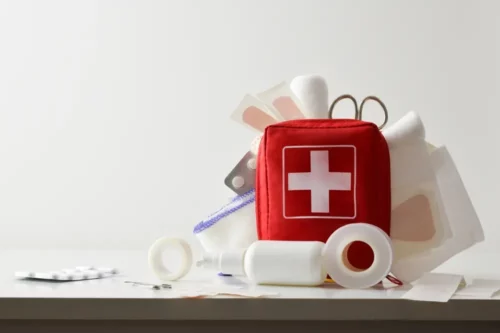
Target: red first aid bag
317 175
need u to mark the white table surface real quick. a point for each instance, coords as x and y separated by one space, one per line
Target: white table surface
111 298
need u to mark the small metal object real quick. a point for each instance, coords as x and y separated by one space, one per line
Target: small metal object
358 112
152 285
384 108
338 99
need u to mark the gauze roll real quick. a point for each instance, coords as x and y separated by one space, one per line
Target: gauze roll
312 91
231 227
418 220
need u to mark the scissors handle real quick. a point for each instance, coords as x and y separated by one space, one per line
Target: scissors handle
376 99
358 112
338 99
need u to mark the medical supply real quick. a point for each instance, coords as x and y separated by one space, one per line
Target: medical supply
272 262
307 263
241 179
434 287
317 175
150 285
69 274
282 99
231 227
273 105
465 226
312 91
254 114
157 253
211 292
336 259
418 219
479 288
344 171
358 112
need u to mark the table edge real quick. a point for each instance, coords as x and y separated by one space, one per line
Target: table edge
245 309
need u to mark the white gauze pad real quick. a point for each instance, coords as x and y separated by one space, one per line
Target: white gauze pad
465 226
231 227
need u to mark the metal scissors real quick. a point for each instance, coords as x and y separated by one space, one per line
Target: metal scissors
358 112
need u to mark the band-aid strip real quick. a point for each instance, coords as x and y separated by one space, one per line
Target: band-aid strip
282 98
254 113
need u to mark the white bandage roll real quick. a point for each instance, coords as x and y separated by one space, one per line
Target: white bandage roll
312 91
155 258
337 265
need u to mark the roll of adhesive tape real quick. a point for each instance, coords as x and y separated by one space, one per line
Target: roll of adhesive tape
155 258
337 265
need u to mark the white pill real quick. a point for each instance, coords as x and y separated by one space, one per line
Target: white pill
238 181
252 164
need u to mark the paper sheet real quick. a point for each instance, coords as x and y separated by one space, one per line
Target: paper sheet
433 287
218 287
213 291
204 294
480 288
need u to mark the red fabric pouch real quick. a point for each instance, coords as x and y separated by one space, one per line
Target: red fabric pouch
317 175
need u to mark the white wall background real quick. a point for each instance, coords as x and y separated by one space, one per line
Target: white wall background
114 115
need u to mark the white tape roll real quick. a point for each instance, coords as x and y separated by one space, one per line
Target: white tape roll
155 258
335 256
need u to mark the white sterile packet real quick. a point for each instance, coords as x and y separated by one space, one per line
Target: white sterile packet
418 220
479 288
466 229
231 227
434 287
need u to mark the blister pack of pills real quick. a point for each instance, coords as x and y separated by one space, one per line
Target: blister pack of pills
242 178
69 274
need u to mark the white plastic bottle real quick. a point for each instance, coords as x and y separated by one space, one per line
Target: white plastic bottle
272 262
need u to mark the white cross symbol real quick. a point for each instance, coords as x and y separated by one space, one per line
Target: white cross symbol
319 181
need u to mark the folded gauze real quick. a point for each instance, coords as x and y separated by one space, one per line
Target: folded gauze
231 227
